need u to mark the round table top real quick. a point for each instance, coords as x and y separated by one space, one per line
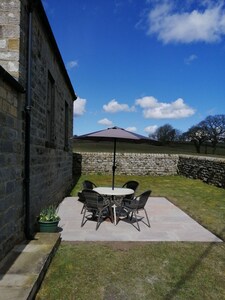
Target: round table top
113 192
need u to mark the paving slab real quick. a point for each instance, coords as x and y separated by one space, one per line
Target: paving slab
22 270
168 223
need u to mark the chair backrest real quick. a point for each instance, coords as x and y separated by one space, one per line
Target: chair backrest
132 184
142 199
92 199
87 184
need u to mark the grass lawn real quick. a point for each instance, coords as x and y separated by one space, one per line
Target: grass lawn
162 270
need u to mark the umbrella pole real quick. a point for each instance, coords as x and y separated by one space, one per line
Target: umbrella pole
114 164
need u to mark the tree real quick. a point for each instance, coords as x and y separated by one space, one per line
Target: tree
166 134
215 127
198 135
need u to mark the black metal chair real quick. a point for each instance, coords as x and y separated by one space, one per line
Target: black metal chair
86 184
133 206
132 184
95 205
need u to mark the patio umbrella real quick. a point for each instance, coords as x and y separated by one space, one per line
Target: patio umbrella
113 134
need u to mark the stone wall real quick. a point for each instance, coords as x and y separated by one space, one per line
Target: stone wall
208 169
50 163
10 36
11 164
126 163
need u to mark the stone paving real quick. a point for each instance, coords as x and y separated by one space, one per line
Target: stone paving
22 270
168 223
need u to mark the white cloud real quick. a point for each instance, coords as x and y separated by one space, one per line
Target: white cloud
151 129
190 59
146 102
79 107
132 129
71 64
154 109
205 25
105 122
113 107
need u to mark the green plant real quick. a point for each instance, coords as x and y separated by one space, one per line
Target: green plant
49 214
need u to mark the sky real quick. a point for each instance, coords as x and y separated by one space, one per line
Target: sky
141 64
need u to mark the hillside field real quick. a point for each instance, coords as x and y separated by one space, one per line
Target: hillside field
131 147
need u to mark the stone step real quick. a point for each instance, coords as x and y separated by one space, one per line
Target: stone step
23 269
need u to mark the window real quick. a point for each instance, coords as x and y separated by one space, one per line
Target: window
50 128
66 128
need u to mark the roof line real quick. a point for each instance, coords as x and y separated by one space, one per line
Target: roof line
43 16
11 80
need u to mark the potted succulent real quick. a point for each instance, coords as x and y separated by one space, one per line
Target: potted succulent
48 219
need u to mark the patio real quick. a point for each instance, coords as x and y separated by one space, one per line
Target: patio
168 223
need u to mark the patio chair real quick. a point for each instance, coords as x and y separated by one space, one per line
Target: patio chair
132 184
87 184
133 206
95 205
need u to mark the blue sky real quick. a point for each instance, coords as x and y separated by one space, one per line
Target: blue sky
140 64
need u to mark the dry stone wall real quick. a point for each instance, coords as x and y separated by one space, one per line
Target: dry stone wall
209 170
126 163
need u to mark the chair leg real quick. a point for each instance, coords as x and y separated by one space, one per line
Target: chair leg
147 218
131 216
110 213
82 222
135 215
98 221
82 209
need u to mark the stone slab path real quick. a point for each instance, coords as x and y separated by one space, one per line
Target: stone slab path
168 223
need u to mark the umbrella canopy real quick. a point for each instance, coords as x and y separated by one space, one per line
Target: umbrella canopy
113 134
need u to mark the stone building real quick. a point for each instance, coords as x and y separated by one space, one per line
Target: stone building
36 113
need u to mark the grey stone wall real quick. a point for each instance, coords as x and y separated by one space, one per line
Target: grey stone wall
51 167
10 36
11 167
127 163
208 169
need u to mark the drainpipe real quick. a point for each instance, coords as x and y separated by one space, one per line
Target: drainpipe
27 228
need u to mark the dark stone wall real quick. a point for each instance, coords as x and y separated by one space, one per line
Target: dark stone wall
11 167
51 167
50 164
210 170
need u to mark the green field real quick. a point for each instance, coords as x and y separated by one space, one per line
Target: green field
172 148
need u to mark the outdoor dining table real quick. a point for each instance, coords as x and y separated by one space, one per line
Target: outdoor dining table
109 191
